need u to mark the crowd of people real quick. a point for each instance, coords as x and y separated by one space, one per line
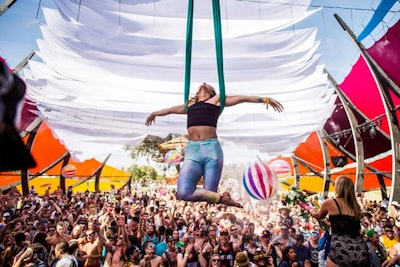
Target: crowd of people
151 228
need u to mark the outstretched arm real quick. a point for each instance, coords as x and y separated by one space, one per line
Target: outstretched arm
237 99
163 112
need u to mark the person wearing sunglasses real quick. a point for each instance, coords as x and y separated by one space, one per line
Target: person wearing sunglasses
204 156
215 261
235 237
150 259
133 256
91 249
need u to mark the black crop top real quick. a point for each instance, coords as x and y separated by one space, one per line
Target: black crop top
202 114
344 224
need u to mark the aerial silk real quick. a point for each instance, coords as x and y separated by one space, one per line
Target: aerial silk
218 47
378 16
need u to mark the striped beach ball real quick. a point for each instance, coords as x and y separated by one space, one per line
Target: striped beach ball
173 157
68 171
259 180
282 169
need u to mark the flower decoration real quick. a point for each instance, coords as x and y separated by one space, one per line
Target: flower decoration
295 197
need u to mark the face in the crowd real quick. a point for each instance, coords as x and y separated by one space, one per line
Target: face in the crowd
315 235
120 240
180 221
171 243
150 229
292 254
135 256
57 251
212 231
215 260
51 230
251 228
284 230
389 232
28 226
224 236
60 229
234 230
175 235
150 248
90 235
18 225
261 261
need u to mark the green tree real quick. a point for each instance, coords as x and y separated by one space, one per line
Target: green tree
145 173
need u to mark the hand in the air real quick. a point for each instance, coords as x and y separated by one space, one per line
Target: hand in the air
276 105
150 119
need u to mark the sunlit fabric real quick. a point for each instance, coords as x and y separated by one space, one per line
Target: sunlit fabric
105 68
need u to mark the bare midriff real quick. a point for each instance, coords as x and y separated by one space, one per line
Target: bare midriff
198 133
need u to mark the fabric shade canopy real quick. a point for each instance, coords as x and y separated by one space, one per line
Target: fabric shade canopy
105 65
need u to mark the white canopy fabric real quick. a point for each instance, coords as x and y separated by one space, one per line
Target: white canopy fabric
105 65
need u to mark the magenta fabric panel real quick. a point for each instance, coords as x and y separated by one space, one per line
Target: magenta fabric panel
361 89
386 52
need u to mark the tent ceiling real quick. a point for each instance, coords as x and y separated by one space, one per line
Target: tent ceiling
103 70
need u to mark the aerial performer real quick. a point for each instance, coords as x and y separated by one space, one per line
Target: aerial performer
204 155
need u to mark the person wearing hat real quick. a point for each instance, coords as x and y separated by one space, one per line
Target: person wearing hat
226 249
268 247
376 250
285 218
242 260
260 259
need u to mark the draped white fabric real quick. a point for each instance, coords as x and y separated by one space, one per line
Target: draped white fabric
105 65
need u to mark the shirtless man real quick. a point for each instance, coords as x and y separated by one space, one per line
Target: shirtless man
59 236
235 237
150 259
169 256
116 256
91 249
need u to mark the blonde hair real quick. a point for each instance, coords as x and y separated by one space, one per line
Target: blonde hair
344 188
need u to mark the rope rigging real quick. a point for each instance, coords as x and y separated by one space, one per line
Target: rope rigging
218 48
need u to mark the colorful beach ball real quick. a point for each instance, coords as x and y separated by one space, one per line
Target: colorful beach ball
68 171
259 180
282 169
173 157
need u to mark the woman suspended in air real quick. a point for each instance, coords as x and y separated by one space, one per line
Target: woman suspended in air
204 156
